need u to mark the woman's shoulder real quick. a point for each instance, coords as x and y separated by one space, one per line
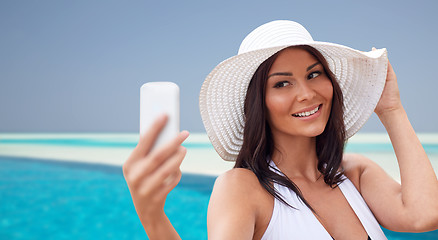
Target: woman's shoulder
240 187
239 180
238 196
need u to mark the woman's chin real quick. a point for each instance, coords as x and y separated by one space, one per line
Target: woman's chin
315 133
309 132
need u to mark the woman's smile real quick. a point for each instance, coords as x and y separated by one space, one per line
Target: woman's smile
309 112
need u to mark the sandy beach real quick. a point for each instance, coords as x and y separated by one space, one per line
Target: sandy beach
199 160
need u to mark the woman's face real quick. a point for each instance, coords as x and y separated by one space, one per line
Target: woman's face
298 94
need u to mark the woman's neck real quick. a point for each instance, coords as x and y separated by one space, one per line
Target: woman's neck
296 157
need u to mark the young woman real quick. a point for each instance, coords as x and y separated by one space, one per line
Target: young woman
283 109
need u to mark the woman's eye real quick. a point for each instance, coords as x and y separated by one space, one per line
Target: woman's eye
281 84
314 75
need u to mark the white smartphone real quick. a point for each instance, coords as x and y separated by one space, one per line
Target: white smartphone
157 98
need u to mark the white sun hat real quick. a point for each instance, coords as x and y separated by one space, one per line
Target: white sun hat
361 77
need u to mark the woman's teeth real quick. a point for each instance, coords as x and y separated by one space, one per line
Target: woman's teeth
306 114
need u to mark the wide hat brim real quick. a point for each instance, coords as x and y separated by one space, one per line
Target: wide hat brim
361 77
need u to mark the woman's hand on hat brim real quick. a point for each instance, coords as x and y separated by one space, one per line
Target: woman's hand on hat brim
390 98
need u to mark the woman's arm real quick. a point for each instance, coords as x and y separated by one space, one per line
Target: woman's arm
413 205
151 175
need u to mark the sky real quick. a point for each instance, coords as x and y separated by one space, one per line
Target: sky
77 66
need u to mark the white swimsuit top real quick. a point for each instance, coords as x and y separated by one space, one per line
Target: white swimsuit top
301 223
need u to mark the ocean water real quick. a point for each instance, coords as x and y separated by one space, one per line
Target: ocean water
357 144
50 199
375 143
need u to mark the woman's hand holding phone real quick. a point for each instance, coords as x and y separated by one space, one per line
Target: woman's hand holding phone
152 170
151 173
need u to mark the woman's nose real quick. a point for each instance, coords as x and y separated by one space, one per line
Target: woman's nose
305 92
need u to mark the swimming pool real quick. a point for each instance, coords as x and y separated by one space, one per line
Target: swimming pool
61 200
43 199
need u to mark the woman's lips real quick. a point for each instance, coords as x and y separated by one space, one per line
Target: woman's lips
308 112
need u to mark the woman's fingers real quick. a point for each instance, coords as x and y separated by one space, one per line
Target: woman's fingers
150 163
162 153
166 176
161 193
145 143
147 140
390 73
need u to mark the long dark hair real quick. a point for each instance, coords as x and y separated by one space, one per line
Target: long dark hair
258 143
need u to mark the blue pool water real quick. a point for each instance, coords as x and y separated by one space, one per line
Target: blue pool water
58 200
43 199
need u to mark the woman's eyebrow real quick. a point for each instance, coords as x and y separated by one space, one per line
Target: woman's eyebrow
313 65
289 73
280 74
